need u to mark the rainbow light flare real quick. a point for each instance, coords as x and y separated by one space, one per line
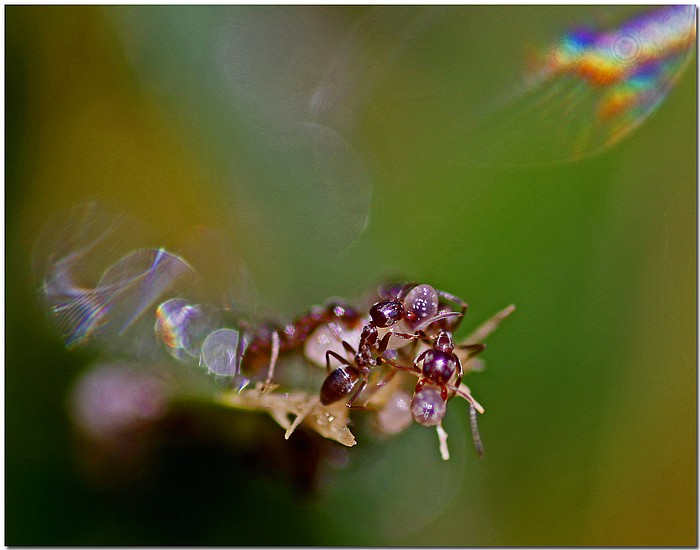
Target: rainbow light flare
591 88
183 327
629 62
126 290
608 58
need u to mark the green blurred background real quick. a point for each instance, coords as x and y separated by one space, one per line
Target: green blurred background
590 387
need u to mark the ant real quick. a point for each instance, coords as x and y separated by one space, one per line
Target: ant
417 306
341 382
270 340
434 388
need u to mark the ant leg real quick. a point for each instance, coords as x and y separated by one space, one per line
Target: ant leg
405 290
357 393
372 390
415 371
460 372
384 342
455 300
430 320
419 359
466 395
407 336
336 330
475 432
348 348
274 353
384 381
340 358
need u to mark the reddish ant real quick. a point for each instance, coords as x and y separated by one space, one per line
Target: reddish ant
270 340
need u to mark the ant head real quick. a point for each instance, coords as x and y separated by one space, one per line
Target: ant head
443 342
387 313
428 407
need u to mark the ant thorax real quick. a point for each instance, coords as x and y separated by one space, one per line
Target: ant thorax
428 407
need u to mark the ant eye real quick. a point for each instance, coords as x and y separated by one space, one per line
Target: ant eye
427 406
386 314
421 303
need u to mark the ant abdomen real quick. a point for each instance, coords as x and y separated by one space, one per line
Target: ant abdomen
339 384
428 407
420 303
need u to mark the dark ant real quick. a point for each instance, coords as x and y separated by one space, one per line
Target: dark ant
415 305
341 382
439 366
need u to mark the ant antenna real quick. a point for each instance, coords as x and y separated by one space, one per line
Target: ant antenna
478 445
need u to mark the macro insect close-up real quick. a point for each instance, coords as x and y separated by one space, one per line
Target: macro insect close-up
267 266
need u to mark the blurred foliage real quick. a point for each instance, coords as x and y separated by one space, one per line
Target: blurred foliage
590 388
